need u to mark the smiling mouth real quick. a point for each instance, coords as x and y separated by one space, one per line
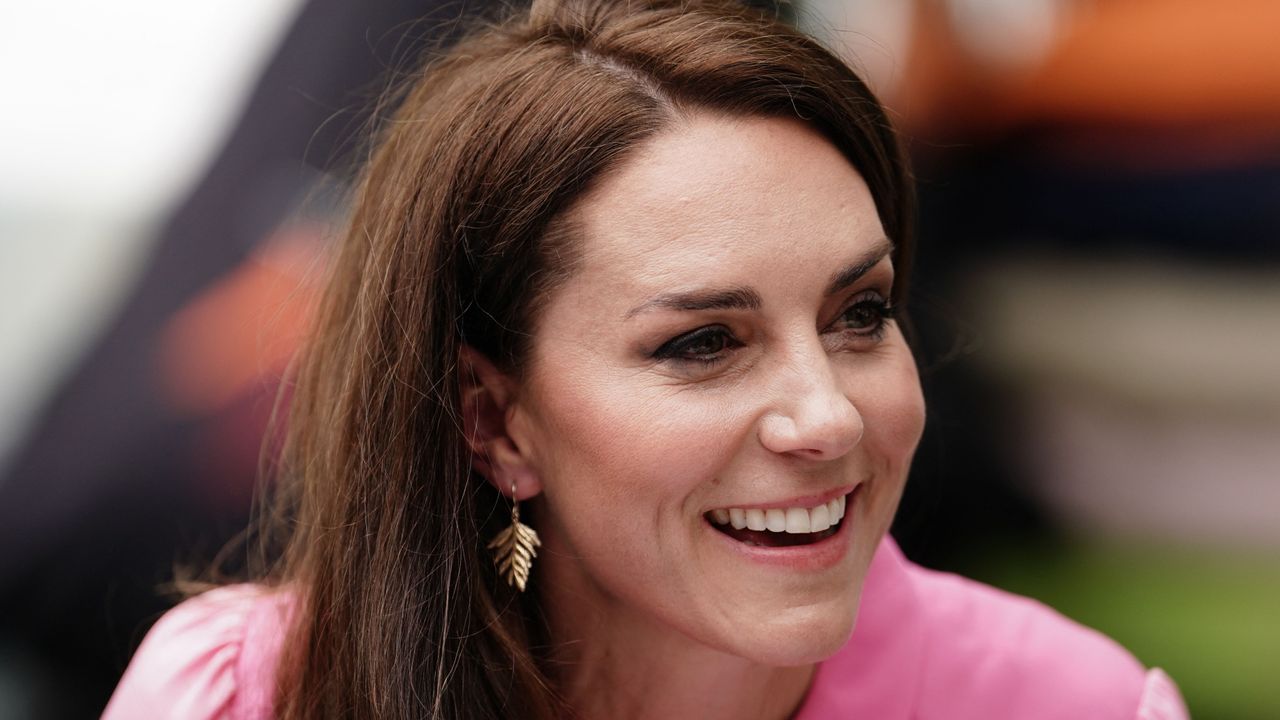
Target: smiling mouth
781 527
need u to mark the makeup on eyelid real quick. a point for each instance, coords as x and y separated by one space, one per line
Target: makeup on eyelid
716 339
745 298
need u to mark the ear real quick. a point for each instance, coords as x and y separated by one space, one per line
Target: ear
488 397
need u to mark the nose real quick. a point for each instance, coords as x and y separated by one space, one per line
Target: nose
812 416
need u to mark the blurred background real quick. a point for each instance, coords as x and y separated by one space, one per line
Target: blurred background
1096 300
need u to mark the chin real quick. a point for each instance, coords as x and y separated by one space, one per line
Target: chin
800 636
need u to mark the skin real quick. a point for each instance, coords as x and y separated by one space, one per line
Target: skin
621 454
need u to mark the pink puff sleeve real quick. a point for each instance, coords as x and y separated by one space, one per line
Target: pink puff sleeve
1161 699
213 656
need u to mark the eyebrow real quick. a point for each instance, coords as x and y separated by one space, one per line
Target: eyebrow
734 298
852 272
745 298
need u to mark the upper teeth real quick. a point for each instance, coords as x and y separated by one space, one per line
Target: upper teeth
789 520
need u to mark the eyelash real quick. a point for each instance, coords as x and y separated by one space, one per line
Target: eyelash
678 349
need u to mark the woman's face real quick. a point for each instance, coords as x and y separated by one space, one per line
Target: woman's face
723 352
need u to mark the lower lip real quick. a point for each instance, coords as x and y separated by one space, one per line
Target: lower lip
821 555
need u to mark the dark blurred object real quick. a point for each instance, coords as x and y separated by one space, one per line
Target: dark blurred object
1143 132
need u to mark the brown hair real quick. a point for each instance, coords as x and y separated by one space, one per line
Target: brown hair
457 232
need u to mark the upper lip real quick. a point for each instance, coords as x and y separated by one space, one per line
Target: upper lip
802 501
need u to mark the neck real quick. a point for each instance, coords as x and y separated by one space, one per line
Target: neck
614 664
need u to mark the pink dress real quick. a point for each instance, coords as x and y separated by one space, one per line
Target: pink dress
928 645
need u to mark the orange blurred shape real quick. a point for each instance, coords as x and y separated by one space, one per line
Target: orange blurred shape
238 336
1172 61
1193 64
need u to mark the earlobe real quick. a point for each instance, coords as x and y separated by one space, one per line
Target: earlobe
509 470
486 394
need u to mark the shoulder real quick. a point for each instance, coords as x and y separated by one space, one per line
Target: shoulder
994 646
212 656
937 645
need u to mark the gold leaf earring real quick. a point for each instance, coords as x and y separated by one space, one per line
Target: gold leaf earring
513 548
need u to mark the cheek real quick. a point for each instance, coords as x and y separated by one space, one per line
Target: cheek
604 445
898 413
623 467
628 429
884 388
893 417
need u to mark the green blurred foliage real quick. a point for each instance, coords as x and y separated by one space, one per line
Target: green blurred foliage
1210 618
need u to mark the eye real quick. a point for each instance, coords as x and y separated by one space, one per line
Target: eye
867 316
706 345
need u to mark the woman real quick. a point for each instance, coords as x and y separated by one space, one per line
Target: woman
608 410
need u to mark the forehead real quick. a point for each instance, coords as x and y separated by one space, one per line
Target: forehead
719 199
